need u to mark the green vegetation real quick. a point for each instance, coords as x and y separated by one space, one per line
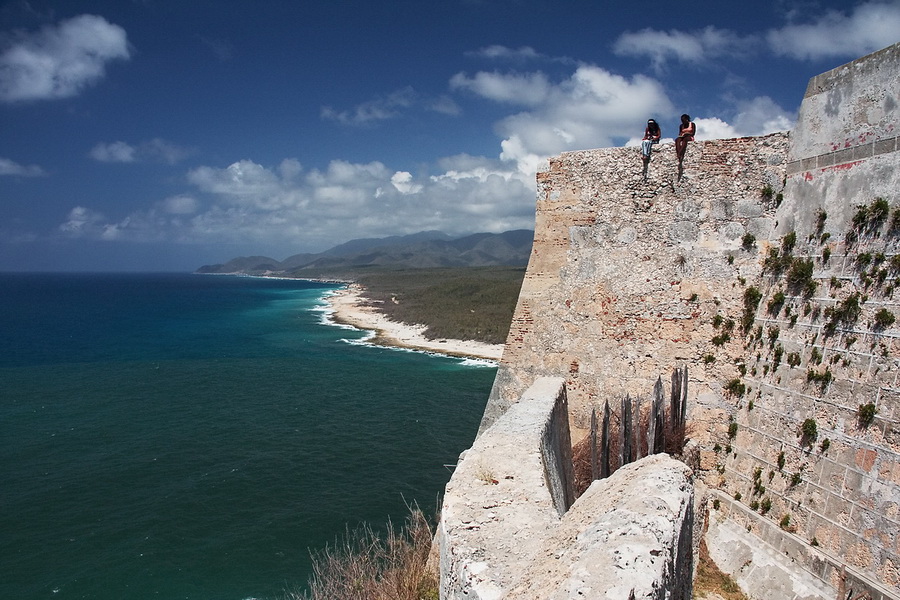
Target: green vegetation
800 277
775 263
774 332
775 303
752 296
825 445
815 356
781 460
711 580
776 356
869 219
884 318
808 432
846 313
748 241
821 379
732 430
737 389
721 339
474 303
788 242
821 217
793 359
894 227
866 414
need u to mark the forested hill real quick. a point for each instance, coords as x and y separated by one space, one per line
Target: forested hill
430 249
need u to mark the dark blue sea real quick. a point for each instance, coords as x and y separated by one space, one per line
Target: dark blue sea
176 436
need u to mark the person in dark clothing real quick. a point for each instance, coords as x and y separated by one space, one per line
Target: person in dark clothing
651 136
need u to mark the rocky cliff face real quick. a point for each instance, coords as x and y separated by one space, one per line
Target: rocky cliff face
769 268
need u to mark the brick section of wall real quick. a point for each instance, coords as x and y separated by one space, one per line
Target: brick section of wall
844 156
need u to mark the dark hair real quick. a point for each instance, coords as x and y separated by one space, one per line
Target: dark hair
686 116
652 125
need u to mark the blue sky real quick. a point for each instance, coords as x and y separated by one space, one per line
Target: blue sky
148 135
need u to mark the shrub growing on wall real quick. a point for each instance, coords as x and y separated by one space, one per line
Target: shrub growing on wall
752 296
866 414
808 432
748 241
884 318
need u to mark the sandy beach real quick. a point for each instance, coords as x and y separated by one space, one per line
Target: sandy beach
351 308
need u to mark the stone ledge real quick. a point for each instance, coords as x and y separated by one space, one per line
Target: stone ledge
503 535
628 533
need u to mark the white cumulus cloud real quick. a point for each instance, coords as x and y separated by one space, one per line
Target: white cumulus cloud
286 205
869 27
114 152
760 116
498 52
180 205
378 109
9 167
526 89
403 182
695 47
59 61
590 109
155 150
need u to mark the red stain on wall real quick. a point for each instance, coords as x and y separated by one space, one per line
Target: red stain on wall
843 167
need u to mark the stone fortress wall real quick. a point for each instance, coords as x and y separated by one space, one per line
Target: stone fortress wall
758 270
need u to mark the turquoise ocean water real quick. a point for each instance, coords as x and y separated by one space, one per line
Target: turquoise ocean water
181 436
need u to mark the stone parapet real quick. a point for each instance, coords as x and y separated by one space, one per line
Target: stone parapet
499 503
849 106
506 531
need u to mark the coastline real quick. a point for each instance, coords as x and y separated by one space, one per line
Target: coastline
349 306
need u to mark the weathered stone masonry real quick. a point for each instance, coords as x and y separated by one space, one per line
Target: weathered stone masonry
509 529
631 276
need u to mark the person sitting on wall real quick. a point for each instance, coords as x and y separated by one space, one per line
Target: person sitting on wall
651 136
686 132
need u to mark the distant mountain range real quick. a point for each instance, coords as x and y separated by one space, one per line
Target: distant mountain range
428 249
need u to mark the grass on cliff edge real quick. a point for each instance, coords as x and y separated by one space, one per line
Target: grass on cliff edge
363 565
711 582
472 303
